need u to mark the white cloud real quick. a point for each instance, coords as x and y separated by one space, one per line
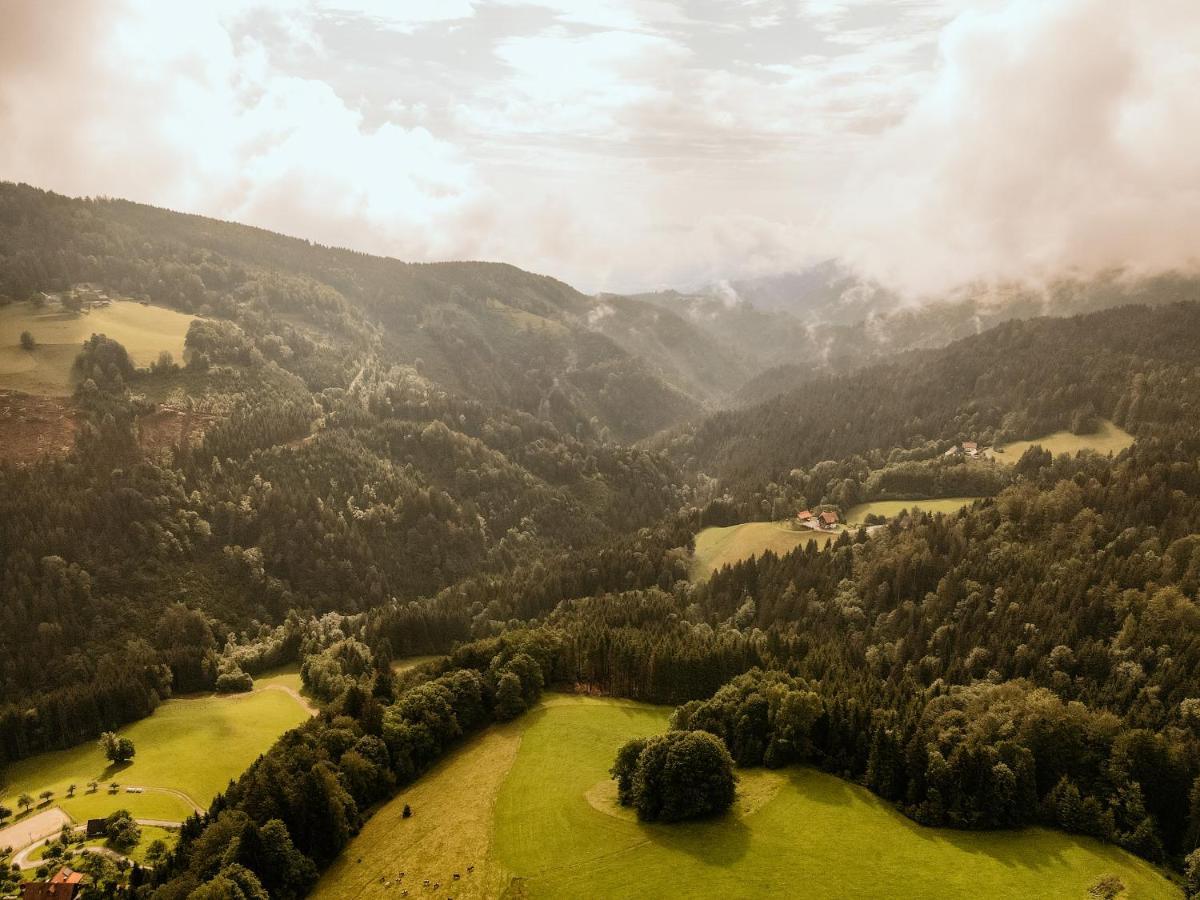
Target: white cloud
182 114
624 144
1055 136
402 15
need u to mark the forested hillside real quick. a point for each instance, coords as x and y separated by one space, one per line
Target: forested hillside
1021 379
487 332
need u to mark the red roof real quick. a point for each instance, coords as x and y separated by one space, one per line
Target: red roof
970 445
804 514
67 876
45 890
829 518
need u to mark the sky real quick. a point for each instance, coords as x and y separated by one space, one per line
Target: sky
635 144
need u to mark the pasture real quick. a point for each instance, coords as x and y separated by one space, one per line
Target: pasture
187 751
531 808
856 515
1108 438
717 547
144 331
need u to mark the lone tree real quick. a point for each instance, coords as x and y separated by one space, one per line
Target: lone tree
45 796
5 813
675 776
27 341
25 801
116 749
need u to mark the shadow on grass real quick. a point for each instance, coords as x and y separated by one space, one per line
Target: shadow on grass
721 840
114 768
821 787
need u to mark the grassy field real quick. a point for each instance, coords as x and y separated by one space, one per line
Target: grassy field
186 752
889 508
531 807
144 331
1107 439
717 547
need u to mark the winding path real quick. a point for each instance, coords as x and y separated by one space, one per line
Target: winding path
22 861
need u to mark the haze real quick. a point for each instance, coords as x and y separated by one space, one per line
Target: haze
629 145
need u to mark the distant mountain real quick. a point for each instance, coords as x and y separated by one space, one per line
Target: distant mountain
613 368
791 328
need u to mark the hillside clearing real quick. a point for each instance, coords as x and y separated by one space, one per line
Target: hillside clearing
144 331
1107 438
530 806
717 547
891 508
187 751
408 663
449 830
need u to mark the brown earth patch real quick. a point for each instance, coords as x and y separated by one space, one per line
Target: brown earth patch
169 428
32 427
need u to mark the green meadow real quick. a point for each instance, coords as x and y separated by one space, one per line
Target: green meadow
856 515
1107 438
717 547
528 810
187 751
144 331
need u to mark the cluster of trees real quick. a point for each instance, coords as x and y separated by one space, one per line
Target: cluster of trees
675 776
116 749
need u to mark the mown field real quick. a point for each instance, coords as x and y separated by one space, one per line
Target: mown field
856 515
187 751
144 331
527 810
1108 438
717 547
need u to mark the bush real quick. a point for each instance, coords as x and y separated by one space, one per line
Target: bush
675 776
28 342
236 682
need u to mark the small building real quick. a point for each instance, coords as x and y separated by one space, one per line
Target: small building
804 515
829 519
64 885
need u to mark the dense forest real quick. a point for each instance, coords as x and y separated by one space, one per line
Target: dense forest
469 460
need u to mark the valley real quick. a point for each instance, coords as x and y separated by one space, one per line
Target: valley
465 529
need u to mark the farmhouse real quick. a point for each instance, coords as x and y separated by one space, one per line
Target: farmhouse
969 448
65 885
805 516
829 520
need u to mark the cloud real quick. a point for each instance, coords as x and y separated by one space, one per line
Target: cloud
1055 137
628 144
168 104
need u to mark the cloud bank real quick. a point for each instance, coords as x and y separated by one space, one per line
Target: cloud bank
1056 137
632 144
